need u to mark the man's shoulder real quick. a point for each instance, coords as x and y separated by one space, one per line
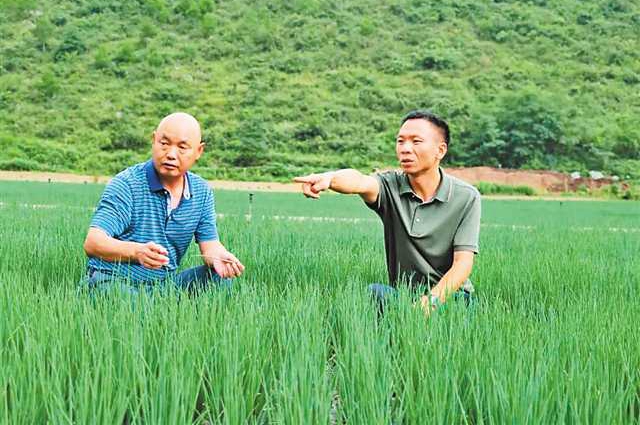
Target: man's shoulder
461 188
391 176
128 178
197 183
133 173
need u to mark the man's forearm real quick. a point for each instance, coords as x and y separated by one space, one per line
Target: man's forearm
100 245
347 181
211 250
452 280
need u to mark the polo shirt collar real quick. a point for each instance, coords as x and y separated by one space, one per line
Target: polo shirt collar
443 194
186 193
156 186
152 177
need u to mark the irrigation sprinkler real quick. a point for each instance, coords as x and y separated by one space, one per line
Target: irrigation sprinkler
250 212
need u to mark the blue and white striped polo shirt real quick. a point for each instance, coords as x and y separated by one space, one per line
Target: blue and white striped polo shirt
135 207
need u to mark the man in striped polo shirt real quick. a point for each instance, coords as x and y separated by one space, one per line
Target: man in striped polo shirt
150 212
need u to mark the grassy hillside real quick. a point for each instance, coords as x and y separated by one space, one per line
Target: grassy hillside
300 85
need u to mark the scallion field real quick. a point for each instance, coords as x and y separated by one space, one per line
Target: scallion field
554 336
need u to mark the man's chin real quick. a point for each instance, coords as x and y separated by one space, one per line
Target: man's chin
169 172
413 170
408 168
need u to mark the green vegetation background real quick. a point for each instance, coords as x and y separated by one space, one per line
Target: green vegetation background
291 86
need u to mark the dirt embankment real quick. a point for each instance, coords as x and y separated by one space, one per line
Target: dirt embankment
539 180
78 178
542 181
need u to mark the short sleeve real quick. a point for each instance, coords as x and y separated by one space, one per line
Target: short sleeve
113 213
207 230
379 204
468 232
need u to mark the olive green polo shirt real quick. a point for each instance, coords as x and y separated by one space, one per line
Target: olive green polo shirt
420 237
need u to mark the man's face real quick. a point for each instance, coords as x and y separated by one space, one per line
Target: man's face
175 150
420 146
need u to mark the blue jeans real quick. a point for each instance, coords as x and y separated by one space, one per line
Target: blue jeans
383 294
193 280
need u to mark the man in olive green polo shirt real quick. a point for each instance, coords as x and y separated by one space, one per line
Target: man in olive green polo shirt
431 219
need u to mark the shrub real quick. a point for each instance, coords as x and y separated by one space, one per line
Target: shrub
71 44
486 188
48 85
20 164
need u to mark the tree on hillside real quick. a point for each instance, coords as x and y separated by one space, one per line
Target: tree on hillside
43 31
522 131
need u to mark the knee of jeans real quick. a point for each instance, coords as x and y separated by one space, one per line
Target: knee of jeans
211 276
464 296
380 291
96 279
373 289
224 284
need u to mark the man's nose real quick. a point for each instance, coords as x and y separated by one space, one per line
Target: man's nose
172 153
405 147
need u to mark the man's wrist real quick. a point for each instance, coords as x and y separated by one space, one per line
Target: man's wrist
330 175
132 251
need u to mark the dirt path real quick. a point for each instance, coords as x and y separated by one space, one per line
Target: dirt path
78 178
224 184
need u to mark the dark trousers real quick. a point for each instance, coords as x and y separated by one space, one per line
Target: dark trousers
384 294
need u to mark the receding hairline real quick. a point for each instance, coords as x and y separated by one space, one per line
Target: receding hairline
182 118
179 116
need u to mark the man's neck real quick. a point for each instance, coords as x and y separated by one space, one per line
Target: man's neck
174 185
426 184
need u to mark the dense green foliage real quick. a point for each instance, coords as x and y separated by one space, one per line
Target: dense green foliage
552 339
293 86
501 189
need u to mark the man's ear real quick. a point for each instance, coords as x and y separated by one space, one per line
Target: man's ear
153 137
442 150
201 148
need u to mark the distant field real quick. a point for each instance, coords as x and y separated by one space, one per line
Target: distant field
553 338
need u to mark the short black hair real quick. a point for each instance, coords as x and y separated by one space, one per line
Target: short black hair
427 115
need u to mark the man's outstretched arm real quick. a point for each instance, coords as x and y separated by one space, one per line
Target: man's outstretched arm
99 244
346 181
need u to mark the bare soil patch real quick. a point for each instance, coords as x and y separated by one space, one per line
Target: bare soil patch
543 181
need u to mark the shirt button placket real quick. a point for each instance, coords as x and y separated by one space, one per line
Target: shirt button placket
167 197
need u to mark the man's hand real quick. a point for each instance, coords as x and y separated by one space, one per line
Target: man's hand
313 184
227 265
152 255
427 306
216 256
99 244
347 181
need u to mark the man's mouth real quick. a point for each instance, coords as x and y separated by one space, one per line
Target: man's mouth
406 161
169 166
